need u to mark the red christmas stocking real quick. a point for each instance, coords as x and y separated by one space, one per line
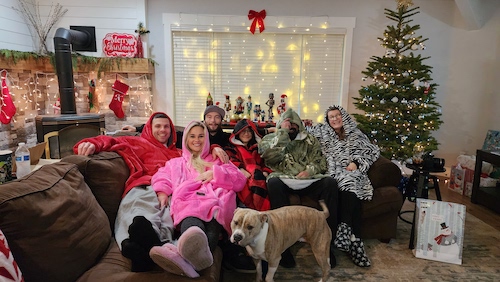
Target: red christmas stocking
7 108
120 90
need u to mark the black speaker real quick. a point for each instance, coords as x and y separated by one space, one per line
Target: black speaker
90 45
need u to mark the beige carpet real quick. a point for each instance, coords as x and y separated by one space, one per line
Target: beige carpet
395 262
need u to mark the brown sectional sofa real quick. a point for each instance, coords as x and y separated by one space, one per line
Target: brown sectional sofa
58 222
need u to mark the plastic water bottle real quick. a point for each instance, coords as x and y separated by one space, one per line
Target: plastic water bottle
23 163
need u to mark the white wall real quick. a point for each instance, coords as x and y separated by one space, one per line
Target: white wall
120 16
465 62
14 33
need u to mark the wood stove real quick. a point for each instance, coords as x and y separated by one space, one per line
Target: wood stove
62 132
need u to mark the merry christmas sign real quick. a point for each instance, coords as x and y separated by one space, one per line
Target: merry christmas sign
119 45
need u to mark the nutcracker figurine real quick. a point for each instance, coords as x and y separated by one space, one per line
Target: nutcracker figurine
282 106
249 105
270 104
263 115
256 112
227 107
239 108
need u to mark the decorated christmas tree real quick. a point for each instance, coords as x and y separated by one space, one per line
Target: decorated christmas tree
399 104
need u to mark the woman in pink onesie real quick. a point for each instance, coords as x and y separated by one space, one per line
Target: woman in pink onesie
203 199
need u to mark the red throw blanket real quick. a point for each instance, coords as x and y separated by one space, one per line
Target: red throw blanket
143 155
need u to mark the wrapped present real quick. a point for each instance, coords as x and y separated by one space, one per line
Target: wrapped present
461 179
439 230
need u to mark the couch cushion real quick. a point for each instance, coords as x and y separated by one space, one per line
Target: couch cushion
105 173
383 173
55 227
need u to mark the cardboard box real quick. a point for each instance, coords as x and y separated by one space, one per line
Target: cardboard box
36 153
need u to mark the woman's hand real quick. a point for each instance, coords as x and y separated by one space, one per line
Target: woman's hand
351 167
217 152
86 148
162 199
245 172
205 177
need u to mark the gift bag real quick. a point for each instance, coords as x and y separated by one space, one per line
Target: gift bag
439 230
457 177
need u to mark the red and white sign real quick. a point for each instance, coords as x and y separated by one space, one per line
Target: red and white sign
119 45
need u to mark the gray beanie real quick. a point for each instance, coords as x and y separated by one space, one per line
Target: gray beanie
216 109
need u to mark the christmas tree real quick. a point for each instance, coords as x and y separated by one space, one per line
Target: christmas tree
400 108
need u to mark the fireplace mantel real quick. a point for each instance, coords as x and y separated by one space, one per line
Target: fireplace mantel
125 65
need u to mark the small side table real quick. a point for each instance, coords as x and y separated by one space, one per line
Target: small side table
420 182
487 196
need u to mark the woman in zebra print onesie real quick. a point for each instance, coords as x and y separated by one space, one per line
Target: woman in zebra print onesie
349 155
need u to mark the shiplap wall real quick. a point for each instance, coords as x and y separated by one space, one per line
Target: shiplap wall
120 16
14 33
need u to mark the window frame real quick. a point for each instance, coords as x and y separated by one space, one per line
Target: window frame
216 23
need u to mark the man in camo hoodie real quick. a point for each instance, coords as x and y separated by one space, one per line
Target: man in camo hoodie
300 168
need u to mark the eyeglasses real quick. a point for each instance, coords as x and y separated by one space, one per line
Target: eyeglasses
335 117
246 130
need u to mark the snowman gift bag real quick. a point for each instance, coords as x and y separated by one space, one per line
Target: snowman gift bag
439 231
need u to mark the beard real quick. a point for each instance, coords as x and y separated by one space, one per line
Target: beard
212 128
292 133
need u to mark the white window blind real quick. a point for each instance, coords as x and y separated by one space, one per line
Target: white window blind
306 67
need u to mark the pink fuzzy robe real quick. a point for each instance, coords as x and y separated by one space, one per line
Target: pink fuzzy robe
190 197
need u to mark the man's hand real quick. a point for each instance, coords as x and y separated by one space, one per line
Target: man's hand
162 199
86 148
205 177
286 123
303 174
129 128
352 166
217 152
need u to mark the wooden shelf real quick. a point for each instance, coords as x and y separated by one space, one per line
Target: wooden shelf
122 65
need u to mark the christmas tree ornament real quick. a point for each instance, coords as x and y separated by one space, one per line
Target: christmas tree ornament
119 91
394 99
404 3
382 101
7 108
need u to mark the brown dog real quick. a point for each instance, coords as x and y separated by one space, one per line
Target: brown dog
267 234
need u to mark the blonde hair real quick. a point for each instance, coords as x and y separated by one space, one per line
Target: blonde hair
196 161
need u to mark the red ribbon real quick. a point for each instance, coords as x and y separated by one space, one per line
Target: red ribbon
258 18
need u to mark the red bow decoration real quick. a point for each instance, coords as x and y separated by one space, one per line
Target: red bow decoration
258 19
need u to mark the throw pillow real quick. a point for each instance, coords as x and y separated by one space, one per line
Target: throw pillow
55 226
9 271
106 174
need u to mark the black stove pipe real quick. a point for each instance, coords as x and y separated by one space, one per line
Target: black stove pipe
64 65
